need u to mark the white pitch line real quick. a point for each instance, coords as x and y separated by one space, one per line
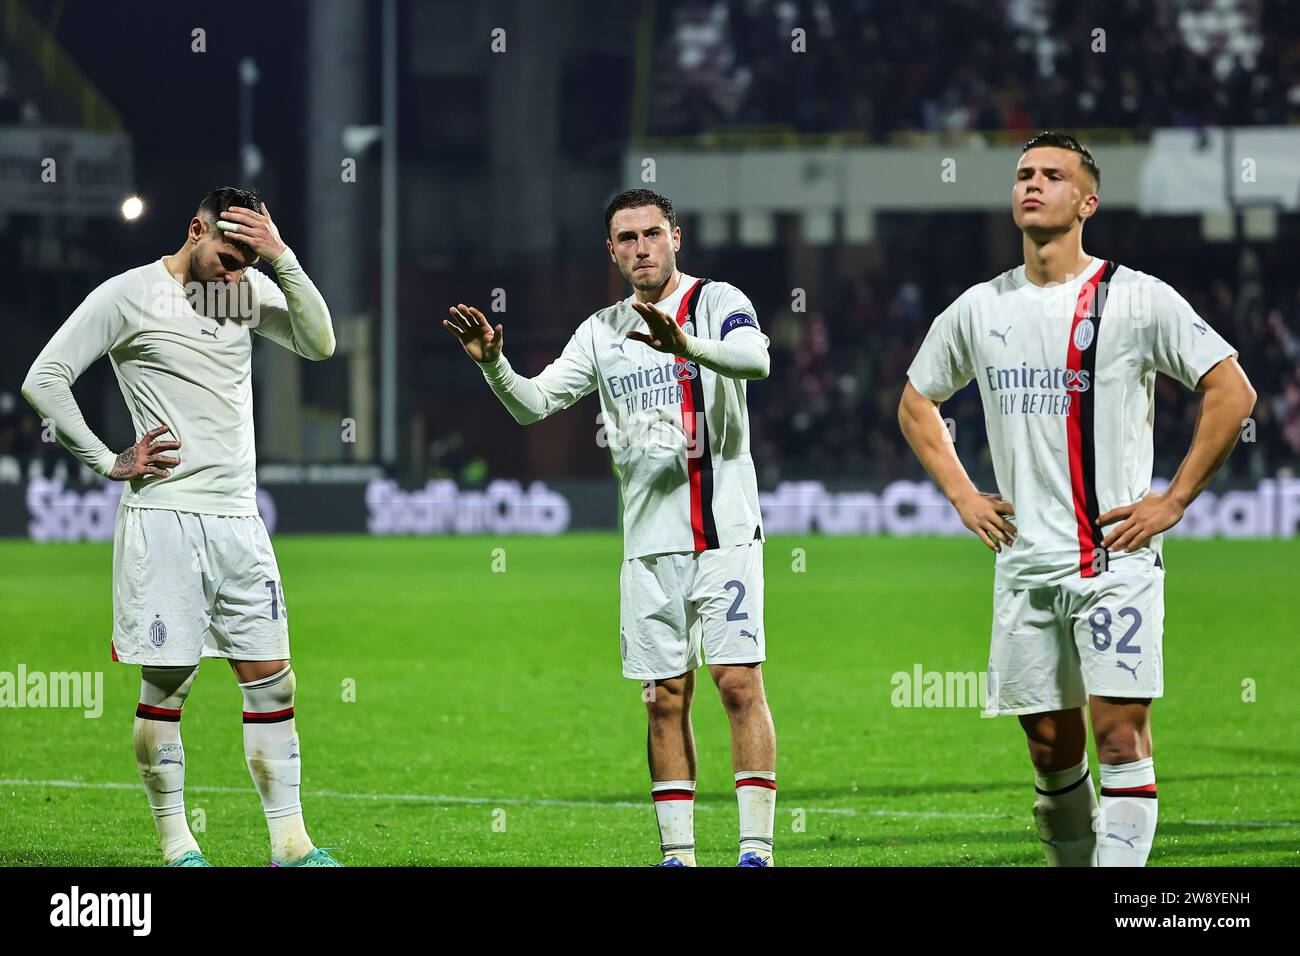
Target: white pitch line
440 798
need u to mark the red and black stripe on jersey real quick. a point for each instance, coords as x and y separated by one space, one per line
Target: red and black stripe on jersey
1080 421
699 466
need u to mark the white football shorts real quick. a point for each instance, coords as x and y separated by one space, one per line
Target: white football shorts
1054 646
680 610
187 586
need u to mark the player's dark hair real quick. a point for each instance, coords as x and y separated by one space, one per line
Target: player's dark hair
219 200
635 199
1065 141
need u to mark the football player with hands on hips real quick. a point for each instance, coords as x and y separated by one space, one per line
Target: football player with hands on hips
1065 349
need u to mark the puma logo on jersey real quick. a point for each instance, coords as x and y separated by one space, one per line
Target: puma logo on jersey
1000 335
1199 327
1132 670
618 345
1128 843
208 332
752 637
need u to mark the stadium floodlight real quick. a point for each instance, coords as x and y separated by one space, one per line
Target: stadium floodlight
250 157
132 208
358 139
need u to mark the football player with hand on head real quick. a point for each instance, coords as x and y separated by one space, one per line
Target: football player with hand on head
194 573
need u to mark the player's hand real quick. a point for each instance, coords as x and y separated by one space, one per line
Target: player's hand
664 334
480 341
1140 522
253 229
985 514
145 457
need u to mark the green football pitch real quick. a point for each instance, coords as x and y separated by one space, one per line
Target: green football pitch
453 714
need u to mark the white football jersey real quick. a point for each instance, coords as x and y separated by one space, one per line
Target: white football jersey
1067 375
678 433
178 367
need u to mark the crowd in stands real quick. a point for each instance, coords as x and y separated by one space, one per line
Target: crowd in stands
829 407
897 65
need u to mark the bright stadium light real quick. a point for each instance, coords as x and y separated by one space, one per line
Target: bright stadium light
132 207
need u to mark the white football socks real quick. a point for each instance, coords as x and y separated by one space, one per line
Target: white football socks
160 756
756 795
1128 813
675 810
271 749
1064 807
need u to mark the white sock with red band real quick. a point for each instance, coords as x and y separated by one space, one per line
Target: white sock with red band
1064 806
1128 813
675 810
756 795
271 749
160 756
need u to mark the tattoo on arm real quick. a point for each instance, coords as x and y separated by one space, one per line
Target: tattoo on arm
124 464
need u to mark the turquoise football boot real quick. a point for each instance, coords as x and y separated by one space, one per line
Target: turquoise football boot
317 857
